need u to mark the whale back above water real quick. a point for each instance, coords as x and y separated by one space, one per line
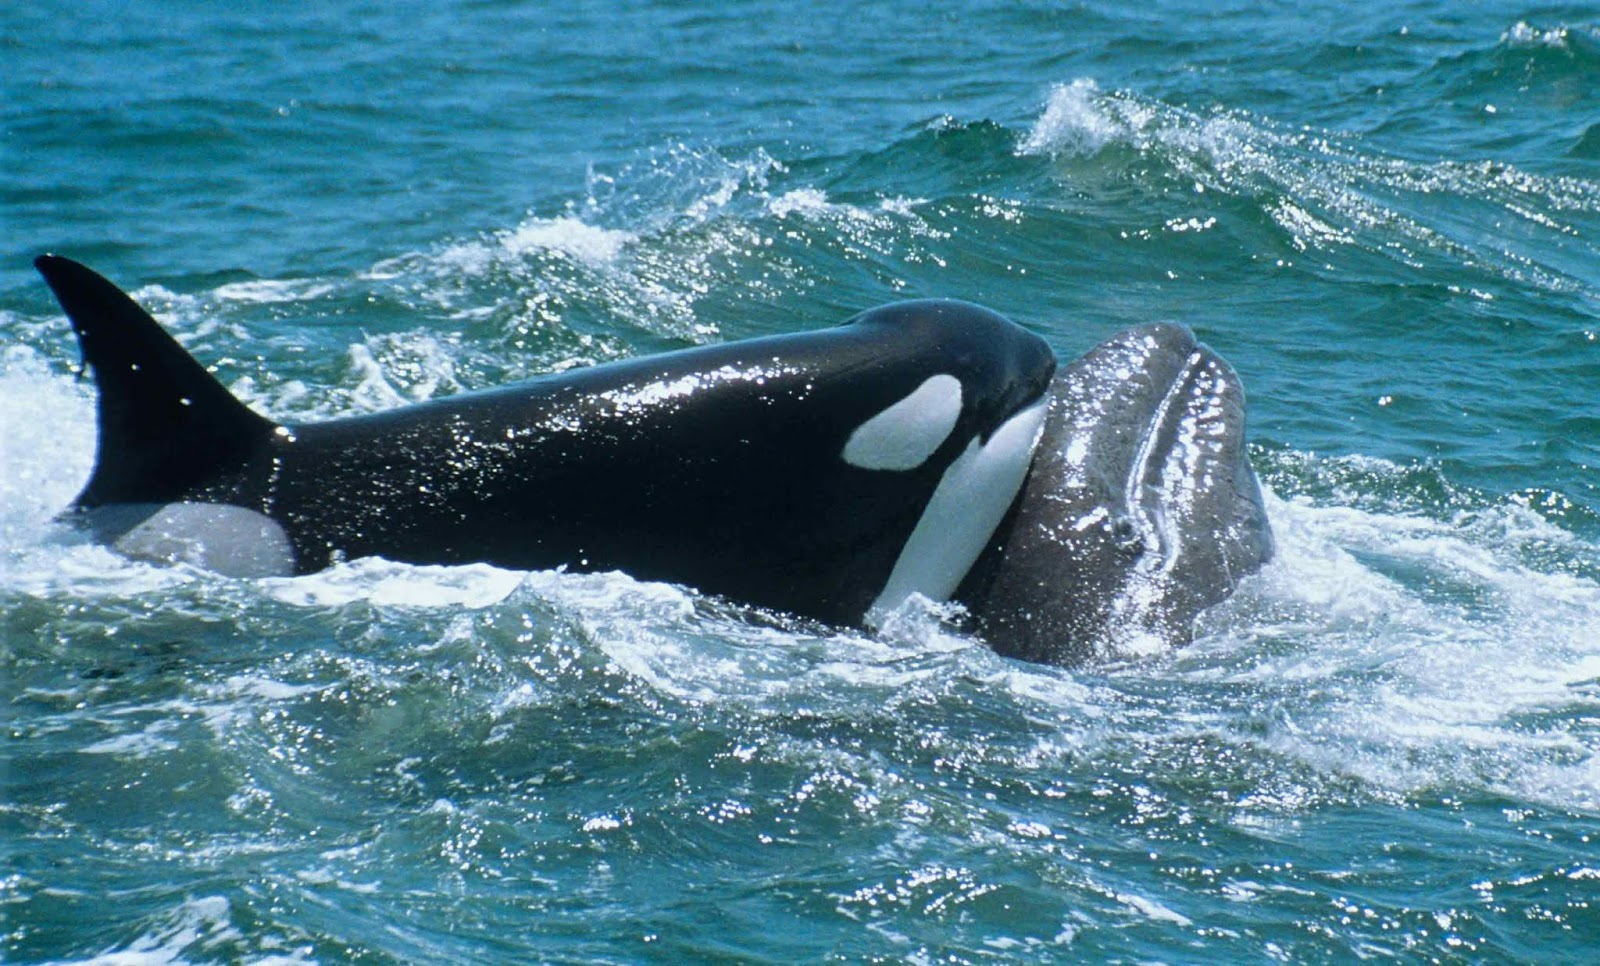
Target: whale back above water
832 474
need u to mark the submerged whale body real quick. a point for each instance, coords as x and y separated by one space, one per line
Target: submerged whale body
925 447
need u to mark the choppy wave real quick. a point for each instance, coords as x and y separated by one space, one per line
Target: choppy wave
1384 745
670 244
1432 635
1323 192
488 722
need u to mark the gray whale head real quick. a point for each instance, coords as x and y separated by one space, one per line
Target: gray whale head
1140 510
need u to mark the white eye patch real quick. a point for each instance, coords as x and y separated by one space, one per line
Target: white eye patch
904 435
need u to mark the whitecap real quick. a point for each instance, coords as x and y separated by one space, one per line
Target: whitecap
590 244
1415 652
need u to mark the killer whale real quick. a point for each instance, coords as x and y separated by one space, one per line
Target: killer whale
831 474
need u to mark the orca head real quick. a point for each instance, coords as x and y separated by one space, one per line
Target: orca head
1140 511
970 372
971 402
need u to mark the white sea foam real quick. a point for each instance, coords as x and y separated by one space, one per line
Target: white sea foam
47 446
196 930
381 372
372 391
653 239
149 741
878 228
46 455
1151 909
381 582
1072 122
404 368
613 264
269 291
799 201
645 243
1524 34
645 630
194 320
1418 653
590 245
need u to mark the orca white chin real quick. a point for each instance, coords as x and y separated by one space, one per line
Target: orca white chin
970 501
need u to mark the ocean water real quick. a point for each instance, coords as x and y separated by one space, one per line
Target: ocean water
1386 745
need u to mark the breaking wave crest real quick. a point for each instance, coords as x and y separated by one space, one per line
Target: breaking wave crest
1323 190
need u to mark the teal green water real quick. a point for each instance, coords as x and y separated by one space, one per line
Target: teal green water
1386 745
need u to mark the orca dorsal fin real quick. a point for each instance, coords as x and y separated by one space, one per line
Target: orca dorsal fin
167 425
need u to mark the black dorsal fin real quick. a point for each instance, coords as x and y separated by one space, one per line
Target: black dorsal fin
167 426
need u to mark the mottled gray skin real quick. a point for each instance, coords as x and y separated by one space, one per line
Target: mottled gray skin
1141 508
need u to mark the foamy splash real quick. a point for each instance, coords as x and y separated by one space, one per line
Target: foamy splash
194 931
1416 653
589 245
1524 34
47 446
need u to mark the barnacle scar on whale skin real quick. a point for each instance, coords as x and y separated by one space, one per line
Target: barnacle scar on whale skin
926 447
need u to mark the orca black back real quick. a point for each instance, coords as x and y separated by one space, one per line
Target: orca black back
795 471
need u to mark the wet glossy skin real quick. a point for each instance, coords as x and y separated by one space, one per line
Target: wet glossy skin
722 467
920 448
1141 509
